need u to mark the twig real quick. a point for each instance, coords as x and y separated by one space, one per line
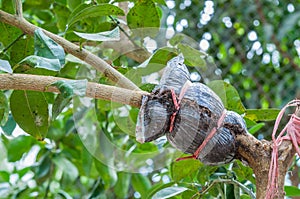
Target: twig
73 49
229 181
19 9
94 90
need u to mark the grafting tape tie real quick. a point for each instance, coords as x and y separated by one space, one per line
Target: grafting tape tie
292 129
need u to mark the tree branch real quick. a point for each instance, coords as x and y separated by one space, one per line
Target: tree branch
73 49
19 9
94 90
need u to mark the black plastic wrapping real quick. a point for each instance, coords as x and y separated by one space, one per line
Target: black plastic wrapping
200 110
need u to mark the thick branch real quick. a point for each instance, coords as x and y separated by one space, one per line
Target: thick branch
94 90
73 49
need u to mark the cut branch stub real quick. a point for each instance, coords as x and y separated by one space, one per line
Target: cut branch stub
198 116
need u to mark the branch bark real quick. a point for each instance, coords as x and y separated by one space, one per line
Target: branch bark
94 90
98 63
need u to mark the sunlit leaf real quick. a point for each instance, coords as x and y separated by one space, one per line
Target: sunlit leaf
261 114
228 94
176 39
41 62
5 66
95 11
113 35
169 192
184 168
192 57
30 111
46 47
291 191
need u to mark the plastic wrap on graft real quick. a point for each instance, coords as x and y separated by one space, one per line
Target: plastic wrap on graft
200 110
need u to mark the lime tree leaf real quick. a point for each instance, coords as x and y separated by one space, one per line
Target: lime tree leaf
184 168
5 66
291 191
59 104
30 111
107 174
70 88
140 183
256 128
261 114
9 126
122 185
176 39
157 187
67 167
17 147
3 108
95 11
192 57
142 15
169 192
113 35
46 47
228 94
157 61
41 62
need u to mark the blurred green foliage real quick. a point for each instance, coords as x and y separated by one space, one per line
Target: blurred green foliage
87 149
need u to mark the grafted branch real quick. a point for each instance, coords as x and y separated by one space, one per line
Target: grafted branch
94 90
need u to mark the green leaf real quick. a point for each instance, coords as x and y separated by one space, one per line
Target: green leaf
157 187
70 88
67 167
30 111
176 39
59 104
228 94
261 114
122 185
184 168
256 128
41 62
113 35
108 174
140 183
291 191
95 11
5 66
142 15
169 192
3 109
192 57
157 61
46 47
17 147
43 169
9 126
